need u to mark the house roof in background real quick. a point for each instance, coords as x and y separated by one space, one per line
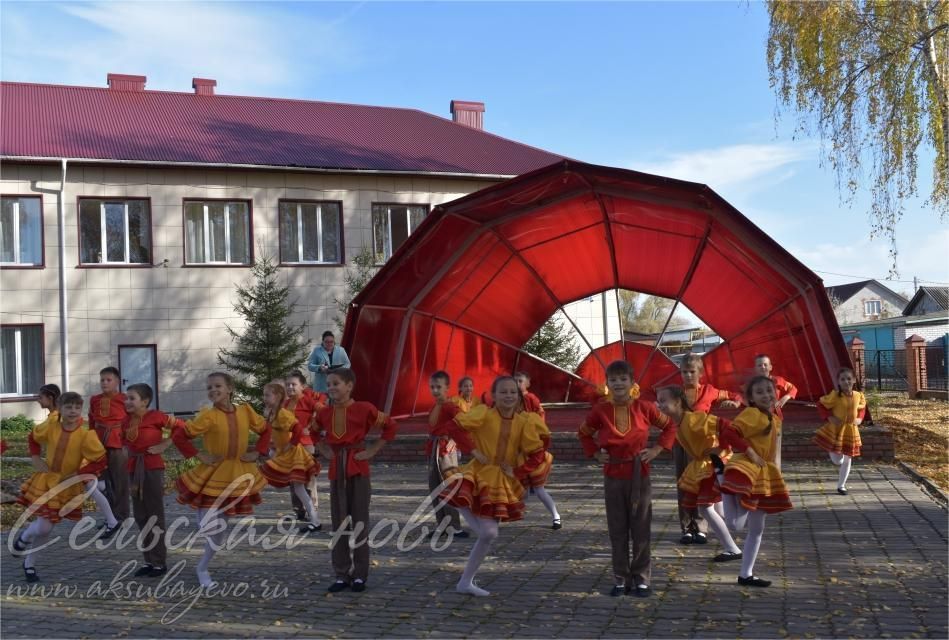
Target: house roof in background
843 292
940 296
936 317
56 121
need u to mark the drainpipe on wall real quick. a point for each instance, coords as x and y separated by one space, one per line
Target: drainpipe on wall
63 323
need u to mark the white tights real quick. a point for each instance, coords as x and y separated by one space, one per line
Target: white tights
102 504
844 462
717 524
736 516
546 500
487 532
752 542
299 490
213 524
35 535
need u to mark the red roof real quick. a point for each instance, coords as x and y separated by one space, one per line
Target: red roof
54 121
482 273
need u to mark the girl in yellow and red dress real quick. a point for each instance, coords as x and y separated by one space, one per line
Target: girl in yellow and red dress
305 403
536 481
55 491
291 465
48 398
753 484
466 398
844 409
488 490
227 482
701 397
702 435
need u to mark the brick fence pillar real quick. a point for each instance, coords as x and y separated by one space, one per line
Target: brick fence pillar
915 365
857 352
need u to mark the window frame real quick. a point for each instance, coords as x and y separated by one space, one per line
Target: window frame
342 234
217 265
42 264
867 313
372 225
115 265
35 394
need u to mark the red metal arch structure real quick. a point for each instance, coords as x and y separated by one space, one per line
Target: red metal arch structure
484 272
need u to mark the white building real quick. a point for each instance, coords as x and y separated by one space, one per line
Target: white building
128 215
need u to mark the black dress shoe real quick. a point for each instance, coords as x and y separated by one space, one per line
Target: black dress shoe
617 591
700 538
358 586
19 546
557 524
157 572
31 575
642 591
337 586
309 527
108 532
726 557
841 491
462 534
144 571
717 463
686 539
752 581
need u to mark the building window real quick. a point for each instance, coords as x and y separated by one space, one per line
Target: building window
114 232
217 233
310 233
392 224
21 231
872 308
21 360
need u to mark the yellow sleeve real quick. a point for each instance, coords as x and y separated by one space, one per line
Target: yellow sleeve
531 432
472 420
540 425
861 401
41 431
286 419
255 421
746 423
201 423
92 449
829 400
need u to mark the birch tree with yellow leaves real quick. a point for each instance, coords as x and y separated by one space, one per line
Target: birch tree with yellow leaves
872 79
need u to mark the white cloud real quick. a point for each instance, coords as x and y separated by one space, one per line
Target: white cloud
923 256
736 168
246 48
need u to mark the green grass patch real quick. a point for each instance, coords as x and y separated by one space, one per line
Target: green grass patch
14 425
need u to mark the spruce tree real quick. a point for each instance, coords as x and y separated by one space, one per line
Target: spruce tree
554 343
357 277
269 346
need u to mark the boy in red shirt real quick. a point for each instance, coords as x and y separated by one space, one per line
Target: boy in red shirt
617 433
347 423
143 434
106 414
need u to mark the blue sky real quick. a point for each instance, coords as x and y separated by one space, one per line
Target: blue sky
679 89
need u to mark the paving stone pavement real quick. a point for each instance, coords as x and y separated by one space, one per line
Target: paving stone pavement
870 564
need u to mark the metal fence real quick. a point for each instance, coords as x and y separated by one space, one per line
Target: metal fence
937 376
885 370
